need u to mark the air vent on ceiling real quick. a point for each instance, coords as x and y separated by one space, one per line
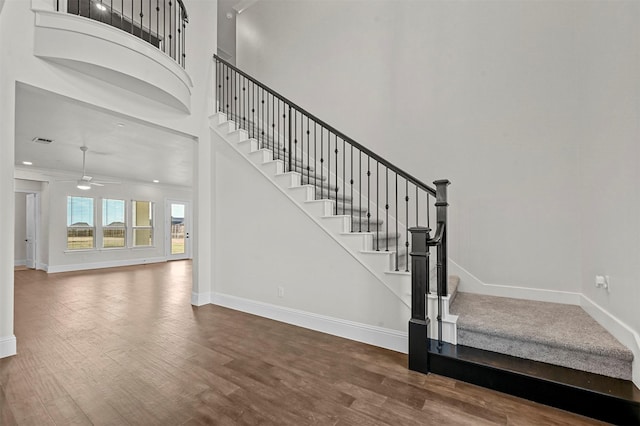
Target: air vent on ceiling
42 140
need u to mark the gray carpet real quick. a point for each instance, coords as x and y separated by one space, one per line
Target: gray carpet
549 332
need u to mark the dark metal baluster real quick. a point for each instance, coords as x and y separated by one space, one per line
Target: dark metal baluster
344 178
292 116
378 206
321 162
164 26
227 90
386 205
245 103
351 181
172 52
368 194
359 188
328 165
184 43
406 224
122 14
149 38
141 15
337 175
398 235
315 157
273 124
111 13
132 15
295 144
308 153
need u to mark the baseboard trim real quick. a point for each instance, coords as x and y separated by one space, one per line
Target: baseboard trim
471 284
621 331
8 346
199 299
377 336
100 265
20 262
42 266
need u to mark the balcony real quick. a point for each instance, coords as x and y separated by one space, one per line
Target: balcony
161 23
137 45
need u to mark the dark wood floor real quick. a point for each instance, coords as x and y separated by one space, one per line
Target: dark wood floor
124 346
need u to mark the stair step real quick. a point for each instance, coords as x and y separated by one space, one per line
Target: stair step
329 194
554 333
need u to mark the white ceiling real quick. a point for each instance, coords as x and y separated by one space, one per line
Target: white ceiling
119 146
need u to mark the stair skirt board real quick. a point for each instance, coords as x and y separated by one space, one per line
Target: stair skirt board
604 398
322 212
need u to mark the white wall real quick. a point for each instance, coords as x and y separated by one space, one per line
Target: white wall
517 103
264 241
16 43
20 227
609 155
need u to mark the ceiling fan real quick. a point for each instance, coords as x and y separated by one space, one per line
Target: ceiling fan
86 182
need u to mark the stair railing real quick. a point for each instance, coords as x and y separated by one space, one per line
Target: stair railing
162 23
380 198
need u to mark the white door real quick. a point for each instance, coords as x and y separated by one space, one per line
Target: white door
178 230
31 231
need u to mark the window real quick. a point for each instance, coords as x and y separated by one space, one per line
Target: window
142 223
113 223
80 226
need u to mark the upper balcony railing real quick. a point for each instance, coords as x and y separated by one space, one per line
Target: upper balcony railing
162 23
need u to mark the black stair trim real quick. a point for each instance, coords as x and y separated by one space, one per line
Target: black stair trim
604 398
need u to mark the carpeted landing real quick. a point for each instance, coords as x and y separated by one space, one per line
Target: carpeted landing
554 333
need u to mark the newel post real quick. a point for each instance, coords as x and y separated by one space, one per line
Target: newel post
419 322
441 219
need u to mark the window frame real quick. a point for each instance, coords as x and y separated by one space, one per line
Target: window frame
135 227
104 227
92 228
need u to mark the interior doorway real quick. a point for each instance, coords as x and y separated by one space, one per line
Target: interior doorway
26 237
178 241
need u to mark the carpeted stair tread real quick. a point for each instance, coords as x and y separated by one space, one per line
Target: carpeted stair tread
543 331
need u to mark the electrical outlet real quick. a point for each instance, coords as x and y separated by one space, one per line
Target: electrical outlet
602 281
280 291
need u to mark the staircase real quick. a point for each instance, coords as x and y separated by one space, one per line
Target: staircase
551 353
381 250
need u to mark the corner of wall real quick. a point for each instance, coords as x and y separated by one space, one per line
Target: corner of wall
621 331
8 346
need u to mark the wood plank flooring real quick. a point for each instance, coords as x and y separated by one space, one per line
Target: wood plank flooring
124 346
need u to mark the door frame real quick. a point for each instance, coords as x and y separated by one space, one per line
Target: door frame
37 219
187 229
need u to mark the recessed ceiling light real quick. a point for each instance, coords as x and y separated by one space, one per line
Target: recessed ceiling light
27 163
156 181
101 7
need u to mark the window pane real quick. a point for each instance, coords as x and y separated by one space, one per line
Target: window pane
112 212
80 231
142 223
80 211
79 238
142 213
143 237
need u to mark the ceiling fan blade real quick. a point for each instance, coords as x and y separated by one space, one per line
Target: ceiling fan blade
65 180
95 184
102 183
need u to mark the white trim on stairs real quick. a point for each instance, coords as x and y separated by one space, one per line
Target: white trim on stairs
8 346
377 336
469 283
621 331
